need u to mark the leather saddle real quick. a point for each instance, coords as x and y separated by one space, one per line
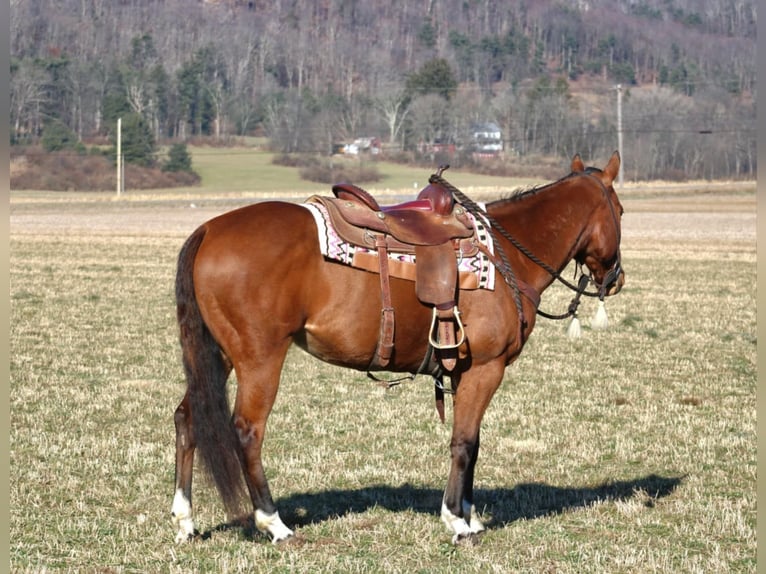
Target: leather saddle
433 218
433 227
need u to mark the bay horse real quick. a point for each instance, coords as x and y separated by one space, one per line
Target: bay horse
253 281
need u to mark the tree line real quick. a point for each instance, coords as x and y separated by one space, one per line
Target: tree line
416 74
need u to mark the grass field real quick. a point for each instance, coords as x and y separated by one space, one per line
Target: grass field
630 450
249 170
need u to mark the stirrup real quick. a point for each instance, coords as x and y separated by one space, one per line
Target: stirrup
435 319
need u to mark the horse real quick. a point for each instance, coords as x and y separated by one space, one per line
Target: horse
251 282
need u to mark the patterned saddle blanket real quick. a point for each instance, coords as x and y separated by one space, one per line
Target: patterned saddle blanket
475 270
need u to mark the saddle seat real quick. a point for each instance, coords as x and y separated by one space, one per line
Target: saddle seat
433 218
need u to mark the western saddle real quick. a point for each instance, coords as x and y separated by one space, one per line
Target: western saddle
436 230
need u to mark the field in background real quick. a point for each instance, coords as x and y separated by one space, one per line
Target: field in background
247 169
630 450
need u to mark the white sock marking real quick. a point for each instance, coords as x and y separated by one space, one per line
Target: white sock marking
455 524
469 510
181 512
272 524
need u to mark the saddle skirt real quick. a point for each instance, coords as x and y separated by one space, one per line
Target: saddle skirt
354 248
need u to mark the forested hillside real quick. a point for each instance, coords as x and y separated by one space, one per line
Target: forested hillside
417 74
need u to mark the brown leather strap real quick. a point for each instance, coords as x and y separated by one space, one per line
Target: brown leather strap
448 356
386 336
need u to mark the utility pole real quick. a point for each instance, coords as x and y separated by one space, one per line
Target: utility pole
619 133
119 156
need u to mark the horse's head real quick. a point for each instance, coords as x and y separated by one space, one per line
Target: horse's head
600 248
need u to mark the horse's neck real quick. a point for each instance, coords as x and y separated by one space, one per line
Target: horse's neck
549 224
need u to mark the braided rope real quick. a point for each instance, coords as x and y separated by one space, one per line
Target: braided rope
506 271
475 210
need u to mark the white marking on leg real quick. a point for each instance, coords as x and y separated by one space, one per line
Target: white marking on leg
181 512
455 524
469 511
273 525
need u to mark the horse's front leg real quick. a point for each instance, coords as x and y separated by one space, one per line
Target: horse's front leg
181 510
474 392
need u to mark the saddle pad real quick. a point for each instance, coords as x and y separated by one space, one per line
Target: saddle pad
475 272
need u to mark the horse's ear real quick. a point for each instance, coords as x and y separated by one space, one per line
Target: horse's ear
577 164
612 169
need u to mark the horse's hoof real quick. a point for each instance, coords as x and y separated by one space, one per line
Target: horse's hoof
272 524
186 530
291 540
282 539
466 539
183 537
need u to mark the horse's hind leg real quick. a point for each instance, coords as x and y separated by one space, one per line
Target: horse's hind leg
182 506
256 392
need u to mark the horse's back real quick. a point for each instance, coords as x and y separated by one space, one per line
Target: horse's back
269 239
262 225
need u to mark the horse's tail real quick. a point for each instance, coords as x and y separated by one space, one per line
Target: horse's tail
206 375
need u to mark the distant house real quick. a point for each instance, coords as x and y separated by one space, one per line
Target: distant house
443 147
359 145
370 144
487 138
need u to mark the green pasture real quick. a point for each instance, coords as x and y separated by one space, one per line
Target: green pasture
631 450
250 170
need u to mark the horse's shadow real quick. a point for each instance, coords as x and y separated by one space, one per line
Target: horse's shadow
503 506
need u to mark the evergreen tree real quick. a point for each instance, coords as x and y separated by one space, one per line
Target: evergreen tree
115 102
138 145
178 159
58 137
434 77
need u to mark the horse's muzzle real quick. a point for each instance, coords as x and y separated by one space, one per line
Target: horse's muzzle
616 286
614 280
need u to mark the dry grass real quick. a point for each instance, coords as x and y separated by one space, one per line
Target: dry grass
630 450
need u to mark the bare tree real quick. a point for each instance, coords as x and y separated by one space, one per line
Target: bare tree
28 94
393 104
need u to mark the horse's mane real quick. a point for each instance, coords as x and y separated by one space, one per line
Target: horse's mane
520 193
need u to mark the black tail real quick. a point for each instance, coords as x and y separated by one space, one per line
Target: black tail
206 376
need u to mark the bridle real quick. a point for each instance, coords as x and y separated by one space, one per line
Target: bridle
613 273
611 276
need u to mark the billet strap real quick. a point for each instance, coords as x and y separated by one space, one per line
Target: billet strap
386 336
439 391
